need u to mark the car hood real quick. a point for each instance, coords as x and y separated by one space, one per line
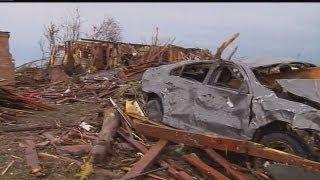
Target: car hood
267 107
308 89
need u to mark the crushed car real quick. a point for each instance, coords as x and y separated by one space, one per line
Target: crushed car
276 104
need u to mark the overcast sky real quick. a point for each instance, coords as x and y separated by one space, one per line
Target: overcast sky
266 29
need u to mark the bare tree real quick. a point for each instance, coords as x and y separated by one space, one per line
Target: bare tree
51 35
71 27
155 37
57 33
108 30
42 46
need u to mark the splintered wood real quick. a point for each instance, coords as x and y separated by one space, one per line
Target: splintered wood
204 168
225 164
146 160
13 105
222 143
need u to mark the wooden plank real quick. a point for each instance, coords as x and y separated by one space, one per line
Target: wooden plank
146 160
223 143
225 164
194 160
134 142
181 175
32 157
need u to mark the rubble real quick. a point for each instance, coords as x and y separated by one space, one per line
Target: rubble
93 55
118 140
203 167
13 106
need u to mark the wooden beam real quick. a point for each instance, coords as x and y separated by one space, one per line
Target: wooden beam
226 165
194 160
224 45
32 157
223 143
181 175
146 160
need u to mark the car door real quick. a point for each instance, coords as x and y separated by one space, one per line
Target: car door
178 99
222 102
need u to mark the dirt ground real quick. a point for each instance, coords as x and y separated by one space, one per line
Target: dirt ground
66 114
118 161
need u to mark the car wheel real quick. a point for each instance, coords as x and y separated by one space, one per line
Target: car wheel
281 141
154 109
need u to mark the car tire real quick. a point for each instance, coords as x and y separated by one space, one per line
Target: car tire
154 109
284 142
281 141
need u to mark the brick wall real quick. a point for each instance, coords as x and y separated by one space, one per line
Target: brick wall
6 64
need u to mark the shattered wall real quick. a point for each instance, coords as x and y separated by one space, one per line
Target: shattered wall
95 55
6 64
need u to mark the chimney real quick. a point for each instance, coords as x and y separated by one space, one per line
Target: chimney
7 69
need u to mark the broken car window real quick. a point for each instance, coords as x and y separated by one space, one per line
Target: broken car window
229 77
176 71
196 72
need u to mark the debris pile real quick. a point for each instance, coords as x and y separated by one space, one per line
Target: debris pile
13 106
101 131
91 55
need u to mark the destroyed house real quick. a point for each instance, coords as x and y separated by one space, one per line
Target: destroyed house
88 54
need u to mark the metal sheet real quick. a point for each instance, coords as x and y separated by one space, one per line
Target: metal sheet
305 88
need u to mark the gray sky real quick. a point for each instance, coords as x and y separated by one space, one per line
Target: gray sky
266 29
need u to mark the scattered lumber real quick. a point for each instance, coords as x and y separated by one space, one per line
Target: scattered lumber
32 128
222 143
181 175
225 164
204 168
11 100
146 160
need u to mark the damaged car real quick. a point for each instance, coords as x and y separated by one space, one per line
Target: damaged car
275 104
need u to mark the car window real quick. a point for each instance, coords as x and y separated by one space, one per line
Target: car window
228 76
196 72
176 71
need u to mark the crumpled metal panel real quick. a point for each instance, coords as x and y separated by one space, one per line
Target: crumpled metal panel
192 106
306 88
224 112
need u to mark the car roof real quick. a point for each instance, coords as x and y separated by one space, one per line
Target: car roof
265 62
254 62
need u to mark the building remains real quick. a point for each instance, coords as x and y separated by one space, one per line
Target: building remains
6 62
93 55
